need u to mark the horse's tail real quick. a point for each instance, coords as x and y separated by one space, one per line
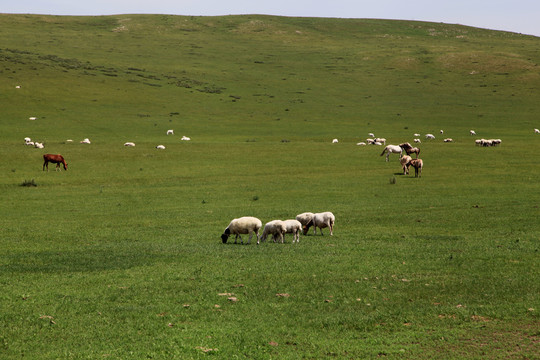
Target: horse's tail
383 151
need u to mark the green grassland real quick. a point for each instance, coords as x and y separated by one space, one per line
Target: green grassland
120 256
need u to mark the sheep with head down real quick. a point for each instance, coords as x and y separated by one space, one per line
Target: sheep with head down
306 219
244 225
276 228
293 227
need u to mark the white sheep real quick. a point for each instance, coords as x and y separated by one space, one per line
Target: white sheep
448 140
323 220
430 136
306 219
129 144
27 139
293 227
417 141
472 132
372 135
39 145
161 147
85 141
536 131
170 132
32 118
185 138
361 143
417 135
380 140
244 225
335 141
441 131
276 228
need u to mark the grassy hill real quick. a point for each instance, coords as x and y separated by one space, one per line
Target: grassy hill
120 256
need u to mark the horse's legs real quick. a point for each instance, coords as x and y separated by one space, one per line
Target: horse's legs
45 163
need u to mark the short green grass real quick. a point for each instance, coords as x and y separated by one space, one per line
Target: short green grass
120 256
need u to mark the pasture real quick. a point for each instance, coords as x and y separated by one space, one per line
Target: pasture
120 256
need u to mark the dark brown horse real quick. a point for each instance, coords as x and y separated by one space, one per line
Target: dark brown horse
409 149
55 159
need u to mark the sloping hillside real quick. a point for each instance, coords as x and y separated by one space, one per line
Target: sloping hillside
210 73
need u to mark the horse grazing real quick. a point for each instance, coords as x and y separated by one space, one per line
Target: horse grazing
392 149
409 149
404 160
417 164
55 159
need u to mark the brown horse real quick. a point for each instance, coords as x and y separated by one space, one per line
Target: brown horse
55 159
409 149
417 164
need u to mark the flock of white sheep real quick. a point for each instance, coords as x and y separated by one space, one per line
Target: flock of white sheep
39 145
278 228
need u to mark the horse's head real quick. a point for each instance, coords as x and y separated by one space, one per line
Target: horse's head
65 165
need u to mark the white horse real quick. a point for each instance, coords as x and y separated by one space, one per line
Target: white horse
392 149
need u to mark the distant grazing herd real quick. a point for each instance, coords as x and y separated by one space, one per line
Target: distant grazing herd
249 225
278 228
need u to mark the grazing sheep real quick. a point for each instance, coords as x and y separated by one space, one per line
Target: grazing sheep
129 144
85 141
371 134
276 228
448 140
161 147
323 220
39 145
293 227
170 132
32 118
27 139
417 164
361 143
472 132
185 138
29 143
334 141
370 141
244 225
441 131
380 140
536 131
417 135
306 219
417 141
404 160
430 136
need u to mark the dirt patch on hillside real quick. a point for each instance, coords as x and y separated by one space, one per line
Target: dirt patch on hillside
485 63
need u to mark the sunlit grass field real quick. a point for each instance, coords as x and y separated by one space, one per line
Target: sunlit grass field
120 256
